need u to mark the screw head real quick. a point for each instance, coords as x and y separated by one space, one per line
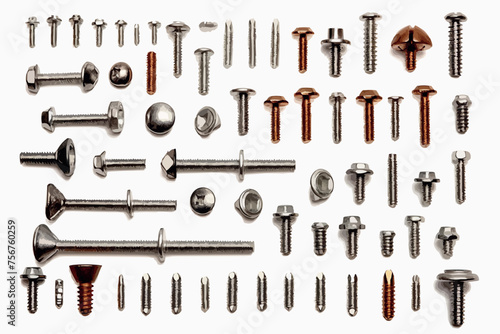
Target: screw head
160 118
337 95
66 157
462 100
202 201
200 51
116 116
237 91
414 219
33 274
321 184
316 226
120 75
32 20
424 89
448 233
44 243
154 24
285 211
303 31
208 26
426 177
369 96
311 93
395 98
54 19
414 36
76 19
169 164
85 273
335 37
271 101
100 164
359 168
177 26
391 234
249 204
370 16
451 275
352 223
99 23
31 79
120 23
90 76
48 119
455 16
207 121
55 202
460 155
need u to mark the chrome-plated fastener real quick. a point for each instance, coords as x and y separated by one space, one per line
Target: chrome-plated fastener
232 292
455 42
336 100
370 46
205 294
154 26
32 24
261 291
146 294
352 295
252 43
53 22
449 237
202 201
59 292
353 226
203 55
33 276
387 242
319 230
120 25
121 293
460 159
228 44
289 291
415 293
395 101
286 216
207 121
360 171
177 31
334 47
99 25
275 44
76 21
413 223
137 34
427 179
392 180
242 96
64 158
321 185
176 299
320 292
461 104
102 165
249 204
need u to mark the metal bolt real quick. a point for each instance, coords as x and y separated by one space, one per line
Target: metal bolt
388 295
176 300
369 98
414 225
203 55
202 201
102 165
86 78
387 238
171 165
207 121
177 30
120 75
275 43
370 47
232 292
46 245
449 237
462 104
137 34
320 292
360 171
334 47
425 93
321 185
53 22
205 294
305 96
353 226
319 230
336 100
457 279
146 294
392 179
395 101
427 179
411 40
64 158
154 26
276 104
261 291
121 293
85 276
303 34
59 291
228 44
76 21
289 292
352 295
286 217
242 95
455 45
460 159
99 25
249 204
415 293
32 24
33 276
252 44
120 25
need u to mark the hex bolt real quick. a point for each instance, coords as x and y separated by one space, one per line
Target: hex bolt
369 98
460 159
411 40
252 44
146 294
458 282
461 105
395 101
32 24
203 55
449 237
232 292
289 292
207 121
320 292
303 35
319 231
59 292
334 47
76 21
137 34
154 26
321 185
261 291
276 104
455 42
425 92
176 298
353 226
242 95
121 293
427 179
388 295
85 276
352 295
370 46
99 25
415 293
87 78
33 276
360 171
387 242
275 43
64 158
46 245
336 100
120 25
286 216
171 165
413 223
305 96
177 30
249 204
392 180
228 44
53 22
102 165
205 294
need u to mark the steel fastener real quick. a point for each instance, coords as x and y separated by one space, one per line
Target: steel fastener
392 180
360 171
154 26
352 295
64 158
427 179
286 216
177 31
59 292
289 291
461 104
370 39
334 47
203 55
261 291
455 42
336 100
176 299
249 204
76 21
205 294
99 25
232 292
395 101
353 226
207 121
242 95
33 276
120 25
102 165
320 292
387 242
321 185
120 75
137 34
415 293
413 223
275 43
252 44
121 293
228 44
32 24
460 159
319 230
53 22
146 294
202 201
449 237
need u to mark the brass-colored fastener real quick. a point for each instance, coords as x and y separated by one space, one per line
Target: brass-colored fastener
411 40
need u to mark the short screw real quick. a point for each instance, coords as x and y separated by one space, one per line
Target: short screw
387 238
252 44
320 292
228 44
232 292
395 101
32 24
76 21
261 291
303 34
205 294
319 230
146 294
53 22
455 45
411 40
289 292
305 96
121 293
427 179
415 293
369 98
275 44
176 300
85 276
99 25
203 55
360 172
334 47
353 226
242 95
64 158
352 295
59 292
388 295
120 25
286 217
275 104
137 34
102 165
425 92
414 224
392 179
336 100
460 159
154 26
462 104
449 237
370 47
177 30
33 276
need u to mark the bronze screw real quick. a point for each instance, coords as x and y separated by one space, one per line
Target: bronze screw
151 73
388 295
305 96
369 98
303 34
425 93
411 40
276 104
85 275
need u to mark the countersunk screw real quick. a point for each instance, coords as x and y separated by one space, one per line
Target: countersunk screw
154 25
462 104
121 293
102 165
286 217
177 30
76 21
275 104
427 179
59 292
99 25
261 291
303 34
414 224
411 40
205 294
319 230
387 238
305 96
64 157
449 236
275 43
33 276
456 279
203 55
395 101
392 172
455 45
242 95
360 171
53 22
120 25
32 24
415 293
352 224
336 100
460 159
232 292
85 276
320 292
352 295
289 292
370 31
176 301
252 44
334 47
388 295
369 98
146 294
228 44
425 92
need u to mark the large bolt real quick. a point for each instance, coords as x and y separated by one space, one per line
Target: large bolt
319 230
99 25
303 34
449 236
76 21
370 32
305 96
102 165
460 159
427 179
154 26
413 223
353 226
33 276
120 25
85 276
64 158
285 216
359 171
395 101
242 95
177 30
455 45
275 104
425 92
411 40
203 55
462 104
369 98
53 22
336 100
334 47
32 24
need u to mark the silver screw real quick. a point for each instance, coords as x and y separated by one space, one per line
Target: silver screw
242 95
352 224
320 243
137 34
334 47
415 293
275 44
289 292
120 25
203 55
286 216
99 25
59 291
205 294
449 236
121 293
32 24
228 44
414 225
232 292
33 276
320 292
146 294
387 238
53 22
370 31
249 204
462 104
336 100
395 101
177 30
176 301
261 291
154 25
64 158
460 159
102 165
360 171
392 179
252 44
352 295
76 21
455 45
427 179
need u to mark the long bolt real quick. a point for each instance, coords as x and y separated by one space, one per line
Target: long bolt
261 291
415 293
85 276
414 225
242 96
232 292
289 292
177 30
205 294
370 47
275 44
455 45
460 158
425 92
352 295
53 22
387 239
137 34
392 180
102 165
146 294
76 21
121 293
320 292
176 300
252 44
388 295
203 55
99 25
395 101
59 292
32 24
154 25
228 44
336 100
33 276
120 25
64 157
320 243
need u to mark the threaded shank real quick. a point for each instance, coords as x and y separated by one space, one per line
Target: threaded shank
286 237
448 248
275 124
320 293
359 189
388 301
455 48
337 121
32 296
261 291
177 54
415 294
335 60
243 114
203 74
387 245
415 240
306 120
462 119
232 292
352 244
370 46
395 119
427 193
289 292
460 181
393 180
425 121
320 241
411 59
146 294
369 123
37 158
151 73
302 53
176 300
85 296
457 295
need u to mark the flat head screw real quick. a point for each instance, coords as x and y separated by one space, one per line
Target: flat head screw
85 276
64 158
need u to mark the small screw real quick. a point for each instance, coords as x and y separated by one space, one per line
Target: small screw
53 22
120 25
289 292
460 159
203 55
102 165
462 104
261 291
252 44
276 104
121 293
64 158
85 276
205 294
319 230
455 45
392 180
427 179
414 225
449 237
202 201
177 30
395 101
286 216
353 226
275 43
33 276
208 26
334 47
387 238
360 172
370 47
415 293
32 24
232 292
388 295
425 92
320 292
369 98
242 95
249 204
59 291
137 34
352 295
305 96
303 34
154 26
176 301
99 25
146 294
336 100
228 44
76 21
411 40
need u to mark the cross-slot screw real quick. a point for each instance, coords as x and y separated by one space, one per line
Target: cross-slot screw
64 158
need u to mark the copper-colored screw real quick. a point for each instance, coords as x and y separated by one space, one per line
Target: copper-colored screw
151 73
275 104
425 93
85 275
305 97
411 40
369 98
303 34
388 295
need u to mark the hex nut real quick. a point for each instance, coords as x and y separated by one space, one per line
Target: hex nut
249 204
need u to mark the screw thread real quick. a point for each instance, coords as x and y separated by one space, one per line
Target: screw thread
121 293
359 189
369 123
32 35
393 180
286 237
352 295
69 78
337 121
289 292
32 296
395 119
252 47
387 245
320 292
146 294
176 302
203 74
228 44
460 179
154 35
177 54
125 164
59 291
448 248
275 44
411 59
320 241
388 296
37 158
415 293
205 294
462 119
151 73
455 48
370 45
457 296
425 122
275 124
121 35
302 54
98 36
53 35
335 60
243 114
76 35
261 291
306 120
427 193
352 244
85 296
232 292
415 240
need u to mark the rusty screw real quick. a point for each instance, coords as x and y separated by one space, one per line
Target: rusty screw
85 275
369 98
411 40
425 93
151 73
305 96
388 295
276 104
303 34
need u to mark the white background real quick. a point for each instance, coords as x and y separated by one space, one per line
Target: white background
24 188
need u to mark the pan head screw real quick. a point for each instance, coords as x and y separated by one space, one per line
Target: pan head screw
207 121
85 276
249 204
154 26
411 40
120 75
203 55
303 35
275 104
160 118
202 201
33 276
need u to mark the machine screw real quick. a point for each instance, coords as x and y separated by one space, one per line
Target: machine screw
228 44
205 294
414 225
252 43
427 179
242 95
415 293
137 34
334 48
411 40
275 43
387 238
146 294
177 30
32 24
76 21
59 291
352 295
121 293
388 295
249 204
321 185
462 104
176 302
320 292
85 276
99 25
336 100
305 96
120 25
460 159
286 217
203 55
319 230
303 34
276 104
395 101
53 22
369 98
457 279
261 291
449 236
33 276
289 292
425 92
64 158
392 179
360 171
370 31
202 201
102 165
455 45
154 26
87 78
232 292
352 224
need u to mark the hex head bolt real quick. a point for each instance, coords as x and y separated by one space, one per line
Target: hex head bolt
360 171
352 224
99 25
32 24
320 295
388 295
370 37
395 101
427 179
303 35
460 159
275 104
102 165
449 237
456 280
289 292
334 47
392 180
232 292
176 298
415 293
261 291
305 96
411 40
76 21
352 295
425 92
461 105
242 95
86 79
369 98
413 223
319 231
120 25
154 26
203 55
387 242
33 276
53 22
285 216
85 276
336 100
113 120
177 31
455 45
64 158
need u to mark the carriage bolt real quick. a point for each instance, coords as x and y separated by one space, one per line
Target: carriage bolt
32 24
53 22
177 30
99 25
33 276
64 158
102 165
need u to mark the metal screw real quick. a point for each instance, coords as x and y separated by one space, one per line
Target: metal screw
289 292
275 43
53 22
64 158
415 293
205 294
320 243
59 291
232 292
207 121
176 301
321 185
202 201
395 101
414 225
177 30
85 276
151 73
261 291
411 40
242 95
460 159
456 279
137 34
33 276
455 45
154 25
276 104
76 21
425 93
360 171
171 165
427 179
46 245
336 100
369 98
334 47
86 78
252 44
121 293
99 25
249 204
303 34
102 165
320 292
120 75
353 226
305 96
387 238
286 216
120 25
370 32
388 295
203 55
228 44
461 104
352 295
449 236
146 294
32 24
392 179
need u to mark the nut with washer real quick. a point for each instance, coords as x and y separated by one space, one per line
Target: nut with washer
321 185
202 201
207 121
249 204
